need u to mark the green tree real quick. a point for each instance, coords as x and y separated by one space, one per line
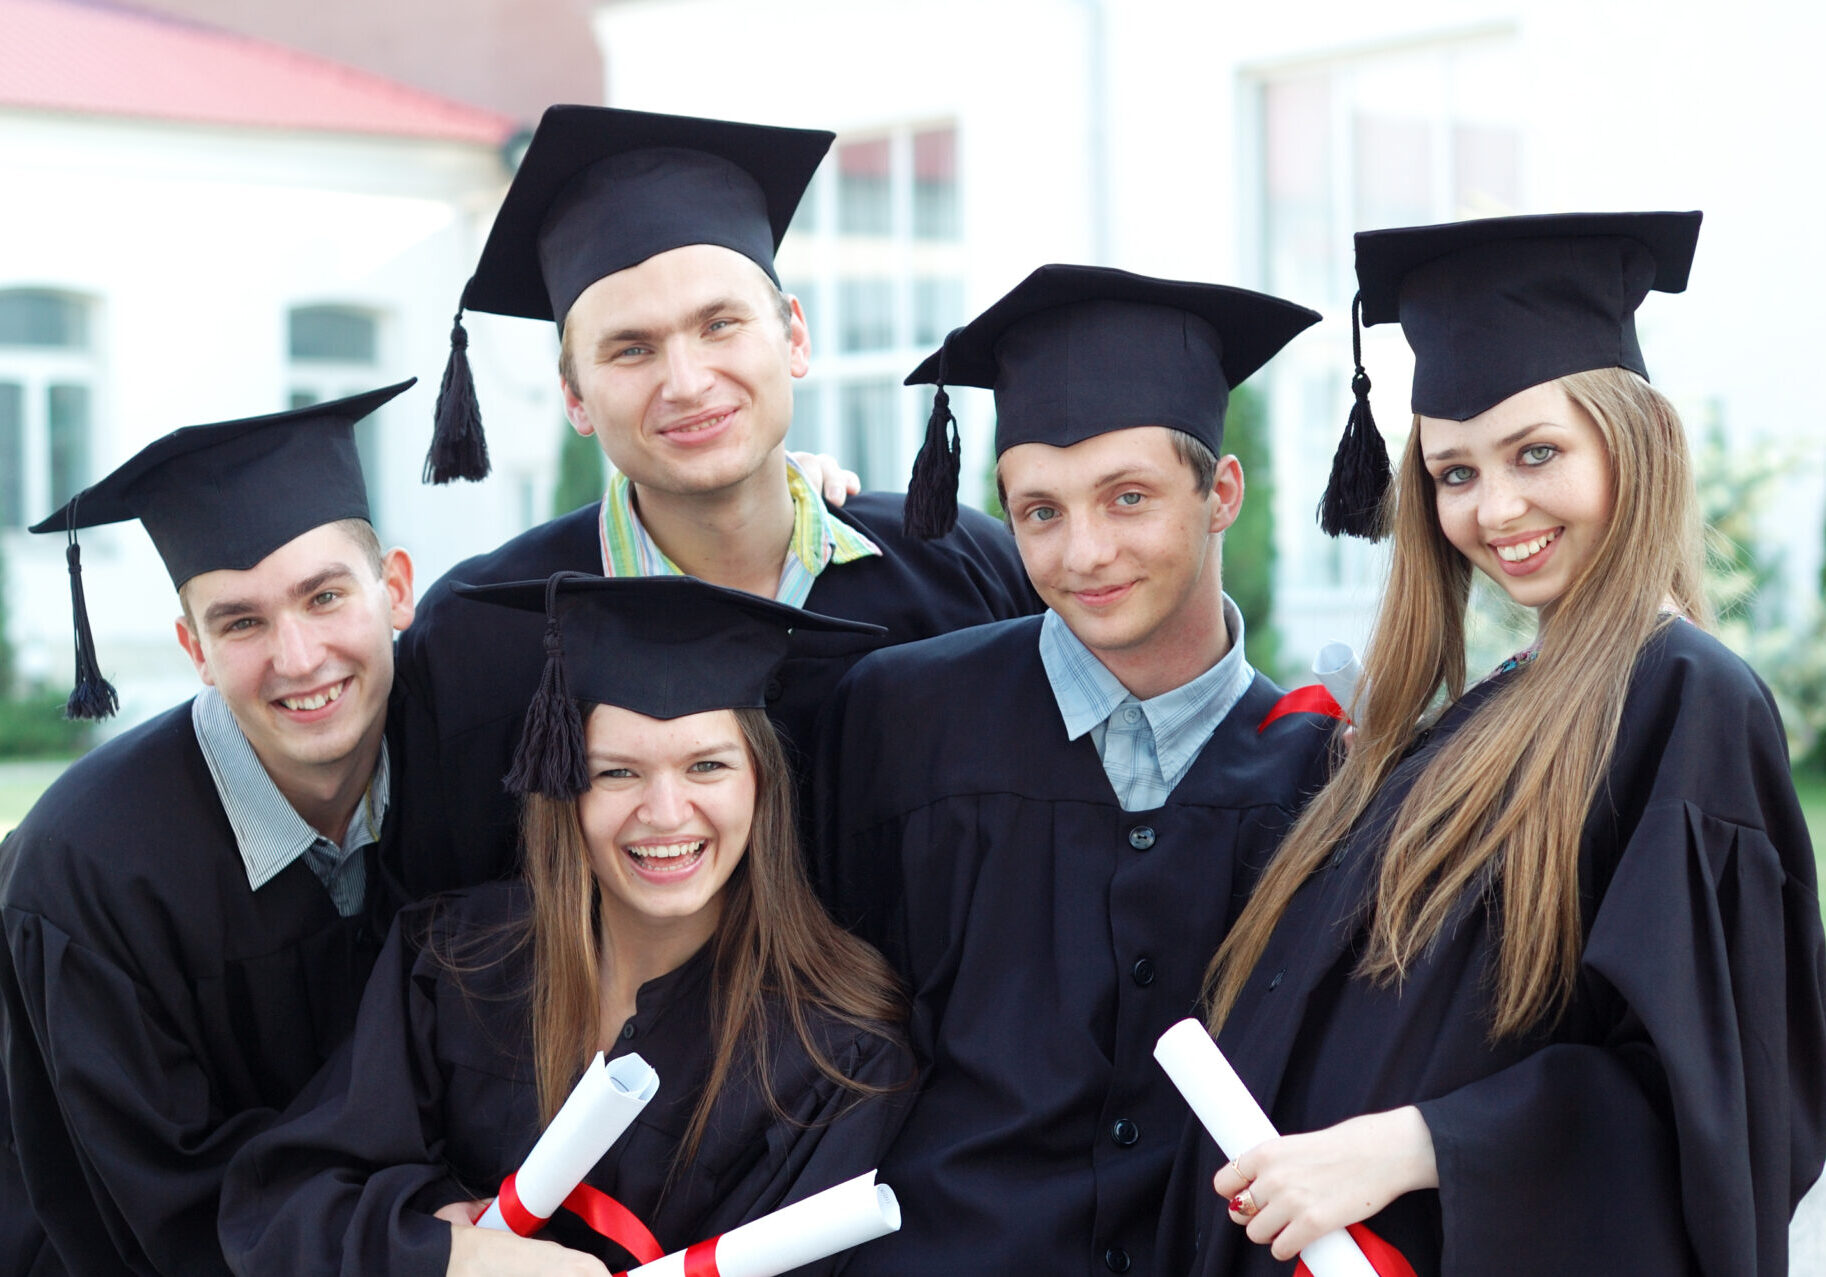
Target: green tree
1249 553
581 472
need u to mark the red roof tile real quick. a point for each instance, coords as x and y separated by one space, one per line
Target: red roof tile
72 55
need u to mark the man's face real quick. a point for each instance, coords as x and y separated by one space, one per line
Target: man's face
300 646
684 369
1117 541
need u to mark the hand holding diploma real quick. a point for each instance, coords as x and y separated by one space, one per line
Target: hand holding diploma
853 1212
1304 1189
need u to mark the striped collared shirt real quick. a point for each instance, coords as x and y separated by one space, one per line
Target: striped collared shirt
818 539
268 829
1146 746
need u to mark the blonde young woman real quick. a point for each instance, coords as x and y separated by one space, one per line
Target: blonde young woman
664 910
1535 984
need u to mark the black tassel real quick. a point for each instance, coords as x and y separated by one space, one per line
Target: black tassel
459 450
931 508
1352 504
551 759
93 696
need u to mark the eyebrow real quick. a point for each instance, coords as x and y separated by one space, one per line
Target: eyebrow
700 317
229 609
609 756
1513 437
1136 473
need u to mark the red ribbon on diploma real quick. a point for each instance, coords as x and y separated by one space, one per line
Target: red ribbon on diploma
597 1209
1311 699
700 1260
1384 1258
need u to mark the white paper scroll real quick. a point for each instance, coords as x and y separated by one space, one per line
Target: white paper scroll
602 1105
1338 670
853 1212
1229 1112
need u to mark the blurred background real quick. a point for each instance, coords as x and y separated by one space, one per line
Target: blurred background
215 208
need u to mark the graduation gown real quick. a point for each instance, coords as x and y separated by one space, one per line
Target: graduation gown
1672 1119
1049 938
158 1010
473 667
434 1101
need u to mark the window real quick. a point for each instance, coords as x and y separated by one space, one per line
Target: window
47 378
335 352
1405 137
875 257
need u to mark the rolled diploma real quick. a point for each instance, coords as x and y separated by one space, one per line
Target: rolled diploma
1338 670
1224 1106
602 1105
849 1214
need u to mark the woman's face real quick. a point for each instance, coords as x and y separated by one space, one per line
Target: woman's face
667 814
1523 490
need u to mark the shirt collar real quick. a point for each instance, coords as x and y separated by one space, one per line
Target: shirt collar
268 830
818 538
1180 719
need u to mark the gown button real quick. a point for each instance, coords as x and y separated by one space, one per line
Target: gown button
1143 971
1141 837
1116 1259
1124 1132
627 1030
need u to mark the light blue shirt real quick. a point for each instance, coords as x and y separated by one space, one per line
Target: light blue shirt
1148 746
268 830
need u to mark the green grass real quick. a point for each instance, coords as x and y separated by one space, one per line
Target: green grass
20 785
1812 789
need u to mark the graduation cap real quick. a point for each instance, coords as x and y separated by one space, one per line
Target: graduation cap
600 190
1077 351
218 496
663 646
1492 307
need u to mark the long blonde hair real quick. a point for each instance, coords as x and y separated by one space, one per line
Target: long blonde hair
773 942
1504 801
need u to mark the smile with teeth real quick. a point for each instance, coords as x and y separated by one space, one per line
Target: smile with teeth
317 700
694 427
1527 549
668 855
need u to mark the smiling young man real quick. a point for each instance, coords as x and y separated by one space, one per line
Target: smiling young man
1045 823
650 241
191 910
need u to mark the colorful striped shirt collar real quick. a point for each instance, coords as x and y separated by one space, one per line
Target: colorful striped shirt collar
818 540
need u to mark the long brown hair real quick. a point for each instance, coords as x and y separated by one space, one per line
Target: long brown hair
1504 800
773 943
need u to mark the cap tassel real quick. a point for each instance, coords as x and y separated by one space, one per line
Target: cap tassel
459 450
1352 504
550 759
931 509
93 697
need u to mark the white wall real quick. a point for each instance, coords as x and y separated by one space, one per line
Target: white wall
196 241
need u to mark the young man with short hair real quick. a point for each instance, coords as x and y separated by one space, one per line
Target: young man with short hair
650 240
190 912
1044 823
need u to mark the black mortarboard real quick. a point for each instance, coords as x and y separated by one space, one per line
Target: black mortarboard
223 495
663 646
601 189
1077 351
1494 306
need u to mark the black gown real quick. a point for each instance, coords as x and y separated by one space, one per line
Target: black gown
433 1101
473 667
158 1010
1049 938
1673 1118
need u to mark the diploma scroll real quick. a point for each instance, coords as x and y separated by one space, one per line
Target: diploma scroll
853 1212
1338 670
1229 1112
602 1105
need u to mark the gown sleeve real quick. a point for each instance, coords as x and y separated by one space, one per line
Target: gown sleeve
348 1181
1685 1139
